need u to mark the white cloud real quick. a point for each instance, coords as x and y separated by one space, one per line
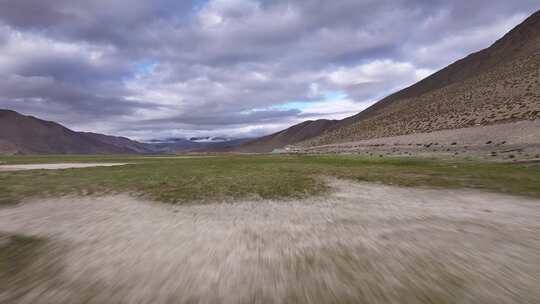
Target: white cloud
453 47
376 71
334 109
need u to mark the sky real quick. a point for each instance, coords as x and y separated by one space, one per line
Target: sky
235 68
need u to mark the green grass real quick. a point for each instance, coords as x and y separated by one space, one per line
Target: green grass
231 177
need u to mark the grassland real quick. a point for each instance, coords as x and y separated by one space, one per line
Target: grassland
181 180
359 243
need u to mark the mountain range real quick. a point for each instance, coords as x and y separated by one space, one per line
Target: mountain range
496 85
20 134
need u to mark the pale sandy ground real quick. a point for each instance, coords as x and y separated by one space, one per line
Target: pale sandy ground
364 243
58 166
510 141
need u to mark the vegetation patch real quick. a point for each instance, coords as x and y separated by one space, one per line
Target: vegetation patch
231 177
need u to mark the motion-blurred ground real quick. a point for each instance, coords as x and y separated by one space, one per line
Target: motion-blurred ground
362 243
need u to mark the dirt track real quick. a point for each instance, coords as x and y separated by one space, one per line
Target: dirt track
364 243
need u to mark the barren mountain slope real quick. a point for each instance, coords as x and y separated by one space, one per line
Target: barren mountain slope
293 135
498 84
29 135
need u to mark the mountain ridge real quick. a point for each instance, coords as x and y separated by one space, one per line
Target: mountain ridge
512 55
445 99
26 134
292 135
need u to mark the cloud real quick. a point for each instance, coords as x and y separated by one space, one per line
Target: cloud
452 47
375 79
167 68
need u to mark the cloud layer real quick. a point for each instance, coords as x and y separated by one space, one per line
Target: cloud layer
166 68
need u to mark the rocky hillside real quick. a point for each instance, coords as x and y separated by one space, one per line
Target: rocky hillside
496 85
293 135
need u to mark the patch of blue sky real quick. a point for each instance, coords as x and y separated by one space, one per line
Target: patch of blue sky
145 66
334 95
292 105
199 4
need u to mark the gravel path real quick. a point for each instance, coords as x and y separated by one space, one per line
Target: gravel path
56 166
364 243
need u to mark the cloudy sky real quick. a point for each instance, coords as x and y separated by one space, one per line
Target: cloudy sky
179 68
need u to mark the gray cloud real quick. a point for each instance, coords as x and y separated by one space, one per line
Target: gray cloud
245 67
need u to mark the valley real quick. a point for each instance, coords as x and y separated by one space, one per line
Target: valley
269 152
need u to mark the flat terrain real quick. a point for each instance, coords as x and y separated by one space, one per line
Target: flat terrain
229 178
270 229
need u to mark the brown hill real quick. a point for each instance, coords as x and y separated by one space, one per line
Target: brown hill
293 135
498 84
21 134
